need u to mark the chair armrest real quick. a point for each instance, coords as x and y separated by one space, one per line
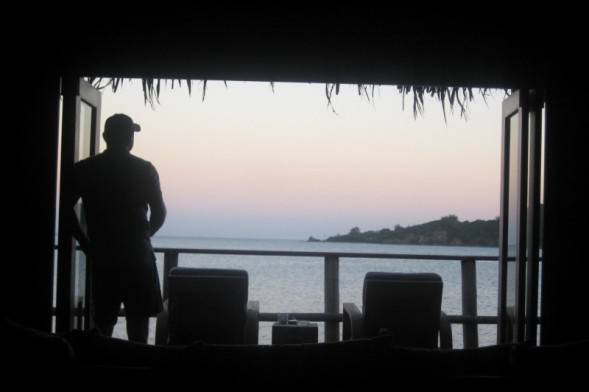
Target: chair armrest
445 332
353 321
161 326
252 322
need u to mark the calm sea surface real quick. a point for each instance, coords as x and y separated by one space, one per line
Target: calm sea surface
295 284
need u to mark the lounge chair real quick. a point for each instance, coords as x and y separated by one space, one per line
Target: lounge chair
405 306
209 305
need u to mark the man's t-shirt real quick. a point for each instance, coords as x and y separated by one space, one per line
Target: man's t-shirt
116 189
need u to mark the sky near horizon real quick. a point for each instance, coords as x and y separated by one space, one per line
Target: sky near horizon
248 162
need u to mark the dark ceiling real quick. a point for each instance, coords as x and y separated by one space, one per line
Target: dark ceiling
343 44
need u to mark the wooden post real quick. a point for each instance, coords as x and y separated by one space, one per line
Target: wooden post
170 261
331 297
469 302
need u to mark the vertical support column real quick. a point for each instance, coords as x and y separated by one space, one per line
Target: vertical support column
170 261
332 297
534 218
522 211
469 302
65 309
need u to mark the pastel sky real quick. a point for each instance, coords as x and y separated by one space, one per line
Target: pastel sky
248 162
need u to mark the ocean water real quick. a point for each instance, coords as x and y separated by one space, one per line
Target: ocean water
295 284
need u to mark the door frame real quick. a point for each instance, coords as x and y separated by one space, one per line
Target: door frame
518 324
75 91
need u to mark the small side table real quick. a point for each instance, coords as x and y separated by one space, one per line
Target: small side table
294 332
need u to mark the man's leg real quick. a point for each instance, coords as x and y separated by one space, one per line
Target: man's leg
138 328
142 301
107 301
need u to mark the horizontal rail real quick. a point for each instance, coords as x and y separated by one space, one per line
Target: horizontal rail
269 317
453 319
245 252
352 255
320 317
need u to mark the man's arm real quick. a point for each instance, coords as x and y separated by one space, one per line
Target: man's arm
157 215
156 203
77 231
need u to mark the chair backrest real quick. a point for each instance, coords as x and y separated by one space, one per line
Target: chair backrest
407 306
208 305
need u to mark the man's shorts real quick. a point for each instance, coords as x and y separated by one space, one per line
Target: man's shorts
136 287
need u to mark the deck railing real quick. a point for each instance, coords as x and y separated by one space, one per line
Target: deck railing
469 318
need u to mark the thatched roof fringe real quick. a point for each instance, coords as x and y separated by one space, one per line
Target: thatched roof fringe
449 97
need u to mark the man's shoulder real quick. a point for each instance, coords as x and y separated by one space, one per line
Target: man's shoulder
105 159
88 162
103 164
141 163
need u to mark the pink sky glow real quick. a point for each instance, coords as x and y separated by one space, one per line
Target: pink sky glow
252 163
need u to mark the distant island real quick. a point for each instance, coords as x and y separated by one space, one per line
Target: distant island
446 231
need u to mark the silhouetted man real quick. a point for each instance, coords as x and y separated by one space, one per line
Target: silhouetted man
117 189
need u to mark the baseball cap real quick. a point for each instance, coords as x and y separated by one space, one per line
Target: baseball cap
120 122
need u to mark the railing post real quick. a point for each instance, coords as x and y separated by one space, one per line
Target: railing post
331 297
469 302
170 261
